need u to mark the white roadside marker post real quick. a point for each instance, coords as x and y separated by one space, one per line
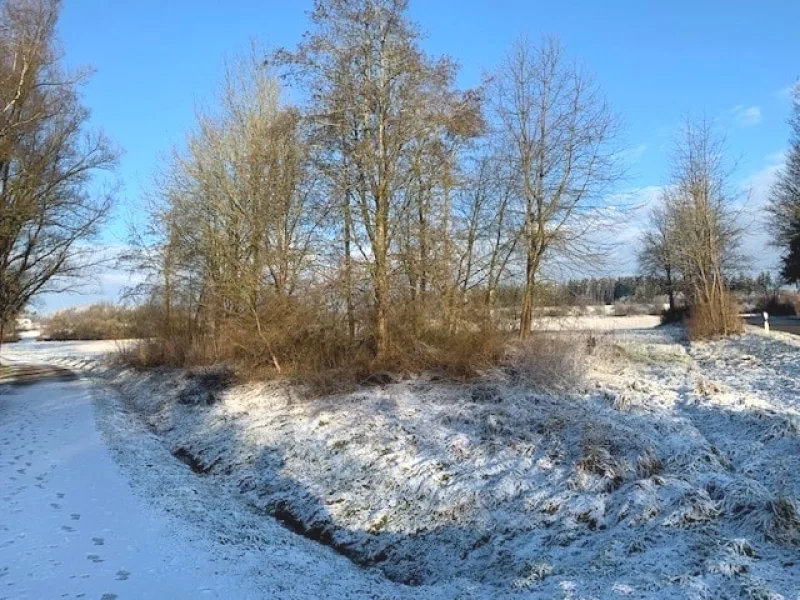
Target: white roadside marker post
766 321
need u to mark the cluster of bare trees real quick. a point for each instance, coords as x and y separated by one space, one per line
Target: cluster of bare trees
695 231
47 161
388 205
385 210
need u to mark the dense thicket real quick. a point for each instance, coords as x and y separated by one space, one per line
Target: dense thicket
378 221
102 321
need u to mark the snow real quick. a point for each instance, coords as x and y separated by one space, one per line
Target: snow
69 524
105 512
673 470
596 323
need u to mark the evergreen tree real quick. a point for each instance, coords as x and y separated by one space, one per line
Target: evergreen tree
790 262
784 204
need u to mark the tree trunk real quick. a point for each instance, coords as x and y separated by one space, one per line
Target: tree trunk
381 308
526 318
671 290
381 273
348 267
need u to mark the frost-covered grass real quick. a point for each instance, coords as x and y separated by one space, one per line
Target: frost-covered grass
673 472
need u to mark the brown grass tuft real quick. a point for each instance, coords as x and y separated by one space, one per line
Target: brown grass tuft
549 362
710 320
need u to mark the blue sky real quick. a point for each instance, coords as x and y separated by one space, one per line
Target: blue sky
657 61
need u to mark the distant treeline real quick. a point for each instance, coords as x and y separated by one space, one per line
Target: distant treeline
642 289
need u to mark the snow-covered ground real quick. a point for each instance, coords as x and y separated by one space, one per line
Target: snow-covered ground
93 506
69 524
596 323
673 470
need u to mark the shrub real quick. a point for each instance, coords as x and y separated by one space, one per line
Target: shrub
675 315
174 351
103 321
711 320
630 309
305 343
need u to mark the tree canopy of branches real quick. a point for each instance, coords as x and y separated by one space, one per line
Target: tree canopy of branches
47 161
389 125
784 204
384 214
695 232
235 223
557 133
657 254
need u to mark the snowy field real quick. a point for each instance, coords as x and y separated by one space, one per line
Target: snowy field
595 323
672 471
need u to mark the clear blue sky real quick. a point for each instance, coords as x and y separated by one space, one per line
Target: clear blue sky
657 61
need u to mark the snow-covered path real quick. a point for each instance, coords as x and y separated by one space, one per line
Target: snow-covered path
70 525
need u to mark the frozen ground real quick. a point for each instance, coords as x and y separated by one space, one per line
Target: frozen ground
92 506
596 323
69 524
674 471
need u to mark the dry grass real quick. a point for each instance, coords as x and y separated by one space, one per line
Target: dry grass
299 344
549 362
713 320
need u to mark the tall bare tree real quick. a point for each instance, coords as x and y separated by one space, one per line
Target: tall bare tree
49 206
704 221
657 254
382 105
558 132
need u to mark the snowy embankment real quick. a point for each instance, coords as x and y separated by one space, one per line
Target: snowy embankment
674 471
75 524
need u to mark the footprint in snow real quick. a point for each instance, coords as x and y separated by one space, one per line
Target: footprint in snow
75 517
94 558
122 575
98 541
67 528
55 505
109 597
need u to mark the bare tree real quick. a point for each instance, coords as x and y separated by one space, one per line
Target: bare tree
657 255
381 107
232 233
558 133
48 160
705 231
